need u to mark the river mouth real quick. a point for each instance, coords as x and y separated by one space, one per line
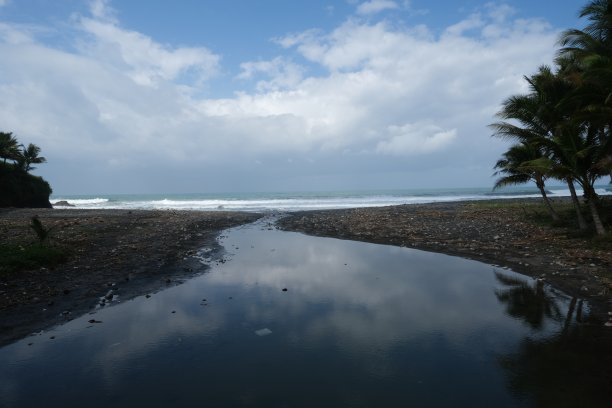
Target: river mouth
286 319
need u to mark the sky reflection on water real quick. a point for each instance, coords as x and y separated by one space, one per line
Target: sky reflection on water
359 325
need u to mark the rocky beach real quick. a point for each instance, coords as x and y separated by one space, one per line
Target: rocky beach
112 255
498 232
115 255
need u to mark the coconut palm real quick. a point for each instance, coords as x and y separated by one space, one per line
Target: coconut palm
571 148
9 147
590 50
515 168
28 156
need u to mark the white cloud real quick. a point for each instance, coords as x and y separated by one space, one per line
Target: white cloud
147 62
380 92
283 74
416 139
376 6
101 10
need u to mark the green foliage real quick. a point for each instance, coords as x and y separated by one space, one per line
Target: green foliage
566 115
20 189
28 156
41 231
9 147
16 258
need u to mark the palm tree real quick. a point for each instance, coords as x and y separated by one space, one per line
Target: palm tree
571 148
9 147
517 169
28 156
590 50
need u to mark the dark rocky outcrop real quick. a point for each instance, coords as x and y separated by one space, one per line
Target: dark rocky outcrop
62 203
21 189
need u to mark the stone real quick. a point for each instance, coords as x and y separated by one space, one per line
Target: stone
62 203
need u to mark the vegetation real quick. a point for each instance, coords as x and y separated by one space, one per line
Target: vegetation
19 188
41 231
16 258
561 127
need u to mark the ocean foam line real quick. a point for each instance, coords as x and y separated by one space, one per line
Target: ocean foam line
296 203
81 201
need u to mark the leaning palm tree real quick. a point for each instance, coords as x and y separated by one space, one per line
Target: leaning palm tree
9 147
28 156
590 49
516 168
572 148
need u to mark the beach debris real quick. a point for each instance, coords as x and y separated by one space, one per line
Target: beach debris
284 289
147 296
174 311
109 295
263 332
94 321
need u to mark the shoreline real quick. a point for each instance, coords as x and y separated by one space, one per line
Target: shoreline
495 232
127 253
136 252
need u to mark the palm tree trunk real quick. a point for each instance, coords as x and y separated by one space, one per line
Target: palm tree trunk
599 228
568 317
581 222
551 210
591 197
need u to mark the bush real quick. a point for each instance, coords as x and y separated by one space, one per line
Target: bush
16 258
21 189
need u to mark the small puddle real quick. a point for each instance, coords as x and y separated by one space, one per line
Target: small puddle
291 320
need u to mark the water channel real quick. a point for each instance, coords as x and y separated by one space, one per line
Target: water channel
289 320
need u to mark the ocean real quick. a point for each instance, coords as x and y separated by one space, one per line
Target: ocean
296 201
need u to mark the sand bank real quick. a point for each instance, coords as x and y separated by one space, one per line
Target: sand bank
127 252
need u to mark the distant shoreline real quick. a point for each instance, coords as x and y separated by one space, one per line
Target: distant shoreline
303 201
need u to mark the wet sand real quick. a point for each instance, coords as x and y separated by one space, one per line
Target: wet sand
112 252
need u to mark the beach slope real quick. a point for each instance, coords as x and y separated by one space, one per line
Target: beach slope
114 254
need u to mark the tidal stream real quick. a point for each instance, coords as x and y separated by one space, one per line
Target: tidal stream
289 320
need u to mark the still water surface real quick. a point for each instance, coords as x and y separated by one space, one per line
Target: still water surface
359 325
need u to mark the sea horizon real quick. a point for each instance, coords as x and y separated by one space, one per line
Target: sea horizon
303 200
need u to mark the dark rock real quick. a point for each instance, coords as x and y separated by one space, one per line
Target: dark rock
63 203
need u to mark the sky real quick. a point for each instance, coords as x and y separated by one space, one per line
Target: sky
155 96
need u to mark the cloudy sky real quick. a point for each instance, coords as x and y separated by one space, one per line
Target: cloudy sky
137 96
